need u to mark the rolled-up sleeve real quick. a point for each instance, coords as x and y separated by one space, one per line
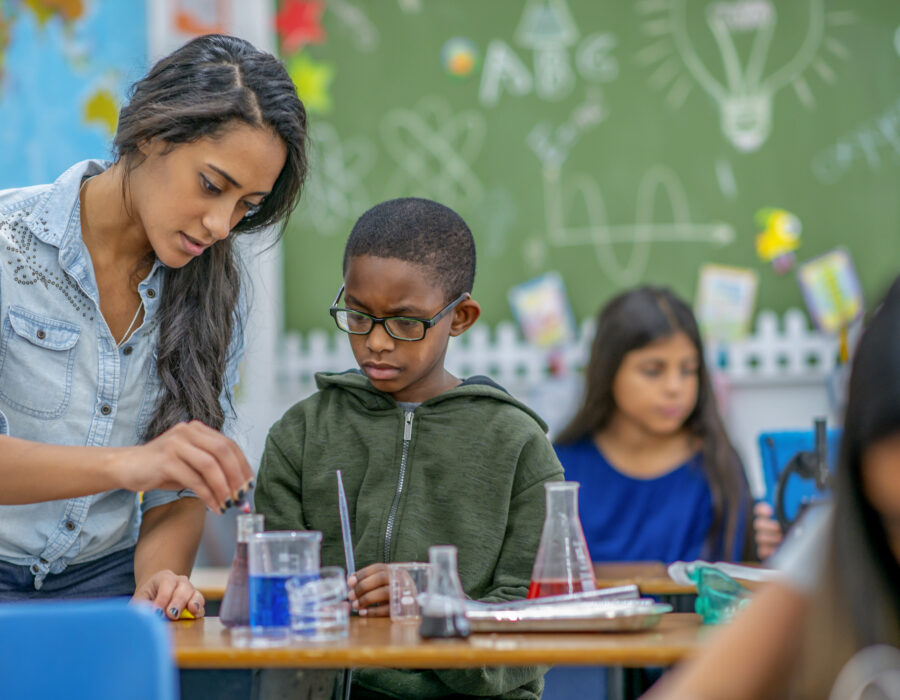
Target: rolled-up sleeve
160 497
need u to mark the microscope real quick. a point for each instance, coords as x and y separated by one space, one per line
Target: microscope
807 465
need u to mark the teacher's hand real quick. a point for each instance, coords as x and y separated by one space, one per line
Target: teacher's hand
170 594
194 456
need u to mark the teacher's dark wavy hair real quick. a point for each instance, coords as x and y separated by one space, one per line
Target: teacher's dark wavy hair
633 320
198 91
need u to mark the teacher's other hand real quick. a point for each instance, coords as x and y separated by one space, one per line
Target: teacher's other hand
170 593
194 456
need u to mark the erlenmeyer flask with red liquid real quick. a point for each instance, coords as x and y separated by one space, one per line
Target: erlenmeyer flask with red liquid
563 563
235 609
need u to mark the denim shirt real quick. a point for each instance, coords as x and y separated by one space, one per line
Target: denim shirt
64 381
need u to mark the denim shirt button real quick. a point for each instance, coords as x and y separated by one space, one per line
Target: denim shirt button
105 409
128 350
70 525
34 568
151 293
41 334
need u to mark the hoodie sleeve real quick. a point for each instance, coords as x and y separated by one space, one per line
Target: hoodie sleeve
278 491
538 464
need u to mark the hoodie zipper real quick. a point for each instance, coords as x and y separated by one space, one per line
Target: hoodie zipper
389 529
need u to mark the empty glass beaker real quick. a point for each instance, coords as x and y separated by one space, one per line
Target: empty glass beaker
444 602
235 609
563 562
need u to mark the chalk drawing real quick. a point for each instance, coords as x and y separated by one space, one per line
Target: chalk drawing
336 191
725 178
503 69
547 29
658 185
410 5
594 58
546 24
872 143
434 150
552 146
745 97
362 31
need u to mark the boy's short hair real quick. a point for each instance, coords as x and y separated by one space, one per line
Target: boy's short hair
419 231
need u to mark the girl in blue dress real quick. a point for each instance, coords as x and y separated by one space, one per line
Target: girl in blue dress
660 479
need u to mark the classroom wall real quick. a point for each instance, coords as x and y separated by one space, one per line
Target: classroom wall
613 142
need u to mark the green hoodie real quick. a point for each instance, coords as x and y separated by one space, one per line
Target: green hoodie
466 467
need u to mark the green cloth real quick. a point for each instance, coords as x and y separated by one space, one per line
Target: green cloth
476 465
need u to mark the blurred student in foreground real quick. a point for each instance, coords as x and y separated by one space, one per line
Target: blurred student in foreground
835 618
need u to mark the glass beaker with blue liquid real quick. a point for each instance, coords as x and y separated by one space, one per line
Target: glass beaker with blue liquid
274 557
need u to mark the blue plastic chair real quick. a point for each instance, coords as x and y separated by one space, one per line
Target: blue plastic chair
776 448
90 650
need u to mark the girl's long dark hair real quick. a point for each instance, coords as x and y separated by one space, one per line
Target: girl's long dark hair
857 604
631 321
209 84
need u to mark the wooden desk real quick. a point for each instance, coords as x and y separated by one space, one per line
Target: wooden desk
651 577
377 642
210 581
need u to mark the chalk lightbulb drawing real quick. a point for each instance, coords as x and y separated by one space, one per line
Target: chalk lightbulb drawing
745 92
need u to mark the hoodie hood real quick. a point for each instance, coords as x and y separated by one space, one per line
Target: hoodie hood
475 387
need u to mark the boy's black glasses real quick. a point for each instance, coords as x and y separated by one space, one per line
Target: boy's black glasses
398 327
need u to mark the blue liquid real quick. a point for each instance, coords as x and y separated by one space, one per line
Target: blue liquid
269 601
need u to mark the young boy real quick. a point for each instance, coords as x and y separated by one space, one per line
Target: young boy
426 458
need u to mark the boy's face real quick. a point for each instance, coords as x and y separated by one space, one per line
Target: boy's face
408 370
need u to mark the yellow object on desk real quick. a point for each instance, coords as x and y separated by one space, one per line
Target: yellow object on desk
185 615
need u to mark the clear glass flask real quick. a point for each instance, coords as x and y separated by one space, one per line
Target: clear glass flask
444 605
235 610
563 562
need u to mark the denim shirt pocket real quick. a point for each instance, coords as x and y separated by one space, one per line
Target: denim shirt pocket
36 357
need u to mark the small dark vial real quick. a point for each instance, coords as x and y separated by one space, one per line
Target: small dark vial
444 626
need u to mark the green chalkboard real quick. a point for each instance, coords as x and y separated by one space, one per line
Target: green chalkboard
616 142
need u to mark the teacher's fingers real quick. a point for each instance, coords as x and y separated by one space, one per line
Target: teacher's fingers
204 468
197 604
181 595
230 458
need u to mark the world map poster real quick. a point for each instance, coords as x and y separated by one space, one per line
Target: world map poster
65 66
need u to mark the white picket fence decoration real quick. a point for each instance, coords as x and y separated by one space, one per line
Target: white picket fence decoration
776 352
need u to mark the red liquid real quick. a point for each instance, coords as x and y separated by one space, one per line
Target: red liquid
539 589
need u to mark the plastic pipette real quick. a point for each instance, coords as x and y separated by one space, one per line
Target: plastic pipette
345 525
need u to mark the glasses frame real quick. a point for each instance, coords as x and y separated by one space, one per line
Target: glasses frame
426 322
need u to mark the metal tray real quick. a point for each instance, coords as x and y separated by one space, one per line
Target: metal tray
598 616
